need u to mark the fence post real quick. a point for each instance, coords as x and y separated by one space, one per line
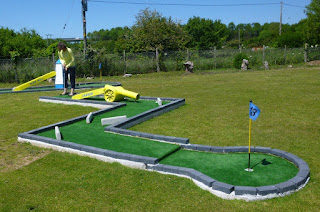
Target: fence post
305 52
215 56
285 54
16 78
157 60
14 58
263 54
188 55
125 62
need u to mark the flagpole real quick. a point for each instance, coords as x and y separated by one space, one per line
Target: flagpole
100 71
254 112
249 141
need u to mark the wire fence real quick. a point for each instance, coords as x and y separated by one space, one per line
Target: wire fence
148 62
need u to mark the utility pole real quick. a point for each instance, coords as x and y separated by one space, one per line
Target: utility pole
84 9
48 35
239 39
280 18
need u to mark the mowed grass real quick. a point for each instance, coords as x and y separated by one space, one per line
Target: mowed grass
216 113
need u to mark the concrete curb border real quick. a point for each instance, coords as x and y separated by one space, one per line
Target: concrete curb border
52 88
121 128
221 189
244 192
31 135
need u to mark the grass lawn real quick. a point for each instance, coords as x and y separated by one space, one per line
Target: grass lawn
216 113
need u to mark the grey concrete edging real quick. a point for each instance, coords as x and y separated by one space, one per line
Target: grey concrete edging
279 189
127 123
121 128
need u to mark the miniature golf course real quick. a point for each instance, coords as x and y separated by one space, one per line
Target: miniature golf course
219 168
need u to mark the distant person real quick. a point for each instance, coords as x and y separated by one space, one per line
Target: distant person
67 60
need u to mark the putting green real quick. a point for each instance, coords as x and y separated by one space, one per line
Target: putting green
229 168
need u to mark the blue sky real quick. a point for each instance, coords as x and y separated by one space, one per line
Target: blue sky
48 17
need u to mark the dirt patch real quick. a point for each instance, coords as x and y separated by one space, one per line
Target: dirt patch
314 63
6 166
15 156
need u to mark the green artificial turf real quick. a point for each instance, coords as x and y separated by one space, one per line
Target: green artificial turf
93 134
229 168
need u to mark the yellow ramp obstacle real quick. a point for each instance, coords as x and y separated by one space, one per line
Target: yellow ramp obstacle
111 93
89 94
34 81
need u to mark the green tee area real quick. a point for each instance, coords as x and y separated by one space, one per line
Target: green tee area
227 168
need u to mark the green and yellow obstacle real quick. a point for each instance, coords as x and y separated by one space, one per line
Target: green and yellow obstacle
111 94
34 81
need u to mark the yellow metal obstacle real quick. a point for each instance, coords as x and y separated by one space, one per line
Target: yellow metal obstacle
34 81
111 93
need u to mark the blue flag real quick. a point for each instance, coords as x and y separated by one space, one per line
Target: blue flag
100 66
254 111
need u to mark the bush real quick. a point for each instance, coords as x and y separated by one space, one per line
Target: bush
238 60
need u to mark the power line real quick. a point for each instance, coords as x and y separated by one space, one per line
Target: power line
184 4
65 25
280 18
292 5
192 5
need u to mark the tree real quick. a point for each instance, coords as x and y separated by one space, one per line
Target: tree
266 37
245 31
269 34
113 40
152 31
312 27
301 28
6 38
221 32
255 30
25 43
290 39
205 33
232 31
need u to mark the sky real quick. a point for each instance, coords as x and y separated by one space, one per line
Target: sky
63 18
